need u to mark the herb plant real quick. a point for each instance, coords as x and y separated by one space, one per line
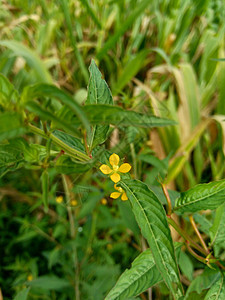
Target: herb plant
60 144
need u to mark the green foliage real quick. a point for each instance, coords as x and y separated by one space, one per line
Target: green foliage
151 218
142 275
63 236
201 197
98 93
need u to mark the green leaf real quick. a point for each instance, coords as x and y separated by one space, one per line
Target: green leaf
115 115
40 90
22 295
217 231
10 159
31 152
201 197
98 93
70 140
217 291
8 95
46 115
201 283
151 218
49 282
142 275
11 125
32 59
186 265
65 165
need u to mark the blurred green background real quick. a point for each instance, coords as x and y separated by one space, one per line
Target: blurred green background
159 57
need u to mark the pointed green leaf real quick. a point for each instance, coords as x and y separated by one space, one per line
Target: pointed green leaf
142 275
217 291
201 197
115 115
98 93
151 218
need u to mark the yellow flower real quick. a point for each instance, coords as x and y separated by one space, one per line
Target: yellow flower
59 199
104 201
120 192
116 169
73 202
30 277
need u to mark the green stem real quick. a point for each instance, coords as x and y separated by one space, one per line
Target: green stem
165 191
185 236
198 233
72 235
72 152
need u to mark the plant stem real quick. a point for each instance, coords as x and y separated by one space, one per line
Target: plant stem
71 151
198 233
165 191
198 257
186 236
72 235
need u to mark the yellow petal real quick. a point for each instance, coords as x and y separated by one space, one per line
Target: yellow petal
124 168
115 177
124 197
105 169
115 195
114 159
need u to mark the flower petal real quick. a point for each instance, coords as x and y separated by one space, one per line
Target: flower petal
115 177
115 195
105 169
124 197
114 159
124 168
115 187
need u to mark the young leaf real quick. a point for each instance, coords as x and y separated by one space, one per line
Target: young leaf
142 275
151 218
217 291
201 197
98 93
11 125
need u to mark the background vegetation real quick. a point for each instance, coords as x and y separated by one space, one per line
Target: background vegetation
158 57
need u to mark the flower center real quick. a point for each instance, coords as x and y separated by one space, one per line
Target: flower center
115 167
